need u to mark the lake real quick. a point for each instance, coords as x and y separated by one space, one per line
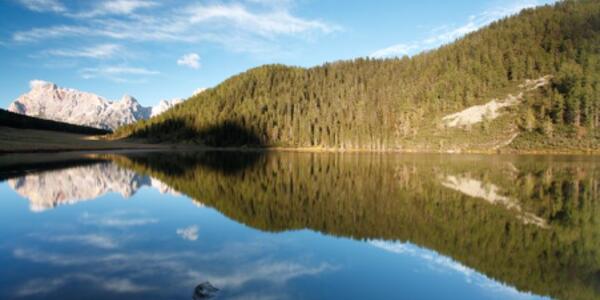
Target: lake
257 225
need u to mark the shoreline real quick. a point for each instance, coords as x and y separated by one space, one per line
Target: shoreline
184 147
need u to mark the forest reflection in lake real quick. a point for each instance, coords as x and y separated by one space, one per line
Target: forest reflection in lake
317 226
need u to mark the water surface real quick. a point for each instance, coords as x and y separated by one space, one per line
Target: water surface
299 226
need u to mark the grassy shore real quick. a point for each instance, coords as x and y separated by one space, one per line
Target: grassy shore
14 140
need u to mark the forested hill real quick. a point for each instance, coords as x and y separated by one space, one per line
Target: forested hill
476 93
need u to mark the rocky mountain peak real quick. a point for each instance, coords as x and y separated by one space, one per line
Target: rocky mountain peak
49 101
126 99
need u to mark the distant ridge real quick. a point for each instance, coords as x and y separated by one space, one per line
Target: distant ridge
14 120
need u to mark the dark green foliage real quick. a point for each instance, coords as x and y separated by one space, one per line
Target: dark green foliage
398 103
10 119
228 133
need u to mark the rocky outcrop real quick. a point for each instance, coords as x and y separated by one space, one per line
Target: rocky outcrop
493 109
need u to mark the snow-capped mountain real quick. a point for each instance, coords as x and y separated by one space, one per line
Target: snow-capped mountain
48 101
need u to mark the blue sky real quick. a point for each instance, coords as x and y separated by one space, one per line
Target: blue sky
155 50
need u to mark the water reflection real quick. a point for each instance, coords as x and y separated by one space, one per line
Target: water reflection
47 190
493 194
525 222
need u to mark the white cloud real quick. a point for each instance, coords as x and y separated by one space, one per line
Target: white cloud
115 7
124 6
98 51
117 220
94 240
121 285
44 5
239 264
36 83
191 60
188 233
447 34
52 32
198 91
266 23
42 286
395 50
276 272
281 4
117 73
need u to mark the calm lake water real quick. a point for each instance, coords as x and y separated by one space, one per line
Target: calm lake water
299 226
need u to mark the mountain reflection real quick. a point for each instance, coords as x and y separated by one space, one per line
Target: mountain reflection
50 189
530 222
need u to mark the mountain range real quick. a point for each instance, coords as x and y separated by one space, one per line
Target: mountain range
46 100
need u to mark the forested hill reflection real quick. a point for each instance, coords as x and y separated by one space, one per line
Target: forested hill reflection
531 222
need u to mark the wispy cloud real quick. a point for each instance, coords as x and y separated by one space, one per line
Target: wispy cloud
104 29
118 73
118 219
227 24
123 7
239 266
395 50
52 32
102 51
42 286
268 23
448 33
276 272
94 240
44 5
114 7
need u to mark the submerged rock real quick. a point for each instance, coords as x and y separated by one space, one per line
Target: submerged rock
204 290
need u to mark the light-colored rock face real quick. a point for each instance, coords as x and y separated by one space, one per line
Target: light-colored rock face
48 101
493 109
54 188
